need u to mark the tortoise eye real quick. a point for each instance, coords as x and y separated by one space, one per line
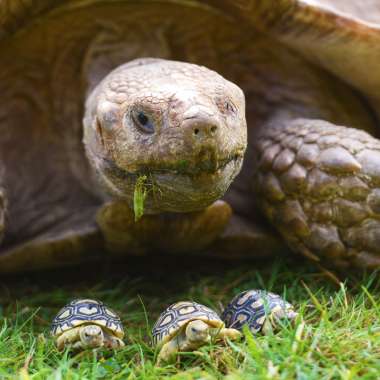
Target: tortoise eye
229 107
143 122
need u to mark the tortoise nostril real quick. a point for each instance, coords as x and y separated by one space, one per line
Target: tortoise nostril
201 127
206 130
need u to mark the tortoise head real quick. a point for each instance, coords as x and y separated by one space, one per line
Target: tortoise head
198 331
91 336
180 126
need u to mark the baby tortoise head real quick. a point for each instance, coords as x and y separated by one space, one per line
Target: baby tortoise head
181 125
198 331
91 336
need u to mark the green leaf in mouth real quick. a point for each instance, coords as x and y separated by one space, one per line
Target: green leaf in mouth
139 197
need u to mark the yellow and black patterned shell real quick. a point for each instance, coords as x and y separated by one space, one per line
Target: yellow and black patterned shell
178 315
85 311
252 307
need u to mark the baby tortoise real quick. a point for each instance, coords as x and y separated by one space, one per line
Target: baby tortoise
186 326
259 310
83 116
86 323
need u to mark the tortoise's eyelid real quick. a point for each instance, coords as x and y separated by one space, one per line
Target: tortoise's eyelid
143 122
225 104
230 106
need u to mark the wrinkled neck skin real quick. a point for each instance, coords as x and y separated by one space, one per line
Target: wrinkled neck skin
176 129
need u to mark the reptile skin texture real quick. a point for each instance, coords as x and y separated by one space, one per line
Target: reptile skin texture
320 187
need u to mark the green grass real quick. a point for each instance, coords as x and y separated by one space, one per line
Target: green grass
339 340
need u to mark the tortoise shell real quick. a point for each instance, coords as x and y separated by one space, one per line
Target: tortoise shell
85 311
251 308
178 315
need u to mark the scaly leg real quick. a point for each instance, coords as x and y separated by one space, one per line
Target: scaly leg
319 185
170 233
69 337
231 334
112 342
167 352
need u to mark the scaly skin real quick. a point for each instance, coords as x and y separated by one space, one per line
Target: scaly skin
320 187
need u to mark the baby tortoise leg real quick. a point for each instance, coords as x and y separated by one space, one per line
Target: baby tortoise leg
112 342
69 337
231 334
170 233
168 352
319 184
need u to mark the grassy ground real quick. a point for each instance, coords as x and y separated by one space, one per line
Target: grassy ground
340 339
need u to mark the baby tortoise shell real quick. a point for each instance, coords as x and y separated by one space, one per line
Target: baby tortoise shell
86 311
252 307
178 315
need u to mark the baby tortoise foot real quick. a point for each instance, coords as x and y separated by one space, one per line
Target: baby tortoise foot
177 233
320 187
87 324
112 342
261 311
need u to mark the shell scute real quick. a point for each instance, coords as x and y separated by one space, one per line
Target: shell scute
252 307
83 311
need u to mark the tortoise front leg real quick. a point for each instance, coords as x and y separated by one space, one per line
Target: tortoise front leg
231 334
112 342
69 337
168 352
170 233
319 184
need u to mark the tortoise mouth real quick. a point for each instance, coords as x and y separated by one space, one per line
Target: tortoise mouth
181 167
173 189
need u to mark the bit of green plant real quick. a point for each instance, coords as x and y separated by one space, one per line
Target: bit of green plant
182 165
139 196
339 337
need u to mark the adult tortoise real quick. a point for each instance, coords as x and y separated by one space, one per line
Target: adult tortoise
309 70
